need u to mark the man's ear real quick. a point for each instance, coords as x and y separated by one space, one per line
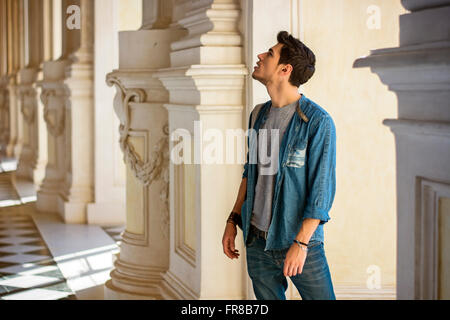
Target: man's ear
287 68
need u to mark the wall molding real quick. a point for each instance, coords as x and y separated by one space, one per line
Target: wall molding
427 236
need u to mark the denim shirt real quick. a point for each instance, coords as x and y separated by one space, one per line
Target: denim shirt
306 180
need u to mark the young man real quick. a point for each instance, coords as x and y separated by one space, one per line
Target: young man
283 203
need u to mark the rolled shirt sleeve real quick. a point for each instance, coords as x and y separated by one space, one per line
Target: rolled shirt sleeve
321 158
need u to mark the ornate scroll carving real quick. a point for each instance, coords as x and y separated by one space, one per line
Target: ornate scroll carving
157 167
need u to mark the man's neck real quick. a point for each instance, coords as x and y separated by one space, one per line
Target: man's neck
283 95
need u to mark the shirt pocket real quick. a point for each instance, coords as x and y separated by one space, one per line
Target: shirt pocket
297 156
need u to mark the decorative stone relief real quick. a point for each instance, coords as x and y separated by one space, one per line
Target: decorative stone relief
28 109
4 120
157 167
54 118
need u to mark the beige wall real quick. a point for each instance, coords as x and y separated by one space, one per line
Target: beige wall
362 229
130 14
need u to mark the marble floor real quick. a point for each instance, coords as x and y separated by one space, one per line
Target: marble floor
41 258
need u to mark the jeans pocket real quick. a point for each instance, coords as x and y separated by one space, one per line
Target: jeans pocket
314 248
251 239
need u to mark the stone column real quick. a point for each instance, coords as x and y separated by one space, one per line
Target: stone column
206 84
54 97
27 97
77 189
144 251
4 115
37 37
33 157
13 44
418 71
4 97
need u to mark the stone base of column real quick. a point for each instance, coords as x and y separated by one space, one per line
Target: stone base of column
113 293
107 214
72 212
38 173
11 150
23 171
173 289
131 281
25 167
47 197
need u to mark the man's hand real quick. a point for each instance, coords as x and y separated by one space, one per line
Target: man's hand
228 238
295 259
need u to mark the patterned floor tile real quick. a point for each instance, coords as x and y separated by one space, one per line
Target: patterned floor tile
62 286
20 281
5 254
40 252
52 273
20 248
7 290
23 258
16 232
27 268
17 240
6 264
36 294
38 243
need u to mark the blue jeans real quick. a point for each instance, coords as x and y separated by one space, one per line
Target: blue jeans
265 268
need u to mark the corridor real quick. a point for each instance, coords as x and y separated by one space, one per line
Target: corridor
41 258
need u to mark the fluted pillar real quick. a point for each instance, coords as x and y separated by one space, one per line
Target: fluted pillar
418 71
206 84
144 251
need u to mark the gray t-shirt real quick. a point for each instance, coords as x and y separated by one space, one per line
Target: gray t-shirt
267 167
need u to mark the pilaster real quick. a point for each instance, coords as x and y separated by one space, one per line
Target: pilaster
418 71
4 115
54 97
78 187
108 207
206 81
27 96
144 251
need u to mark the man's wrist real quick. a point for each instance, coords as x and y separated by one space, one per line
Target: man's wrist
235 218
302 245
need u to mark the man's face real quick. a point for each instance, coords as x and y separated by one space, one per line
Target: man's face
267 69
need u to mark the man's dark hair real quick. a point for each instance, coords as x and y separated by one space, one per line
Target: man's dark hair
299 56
